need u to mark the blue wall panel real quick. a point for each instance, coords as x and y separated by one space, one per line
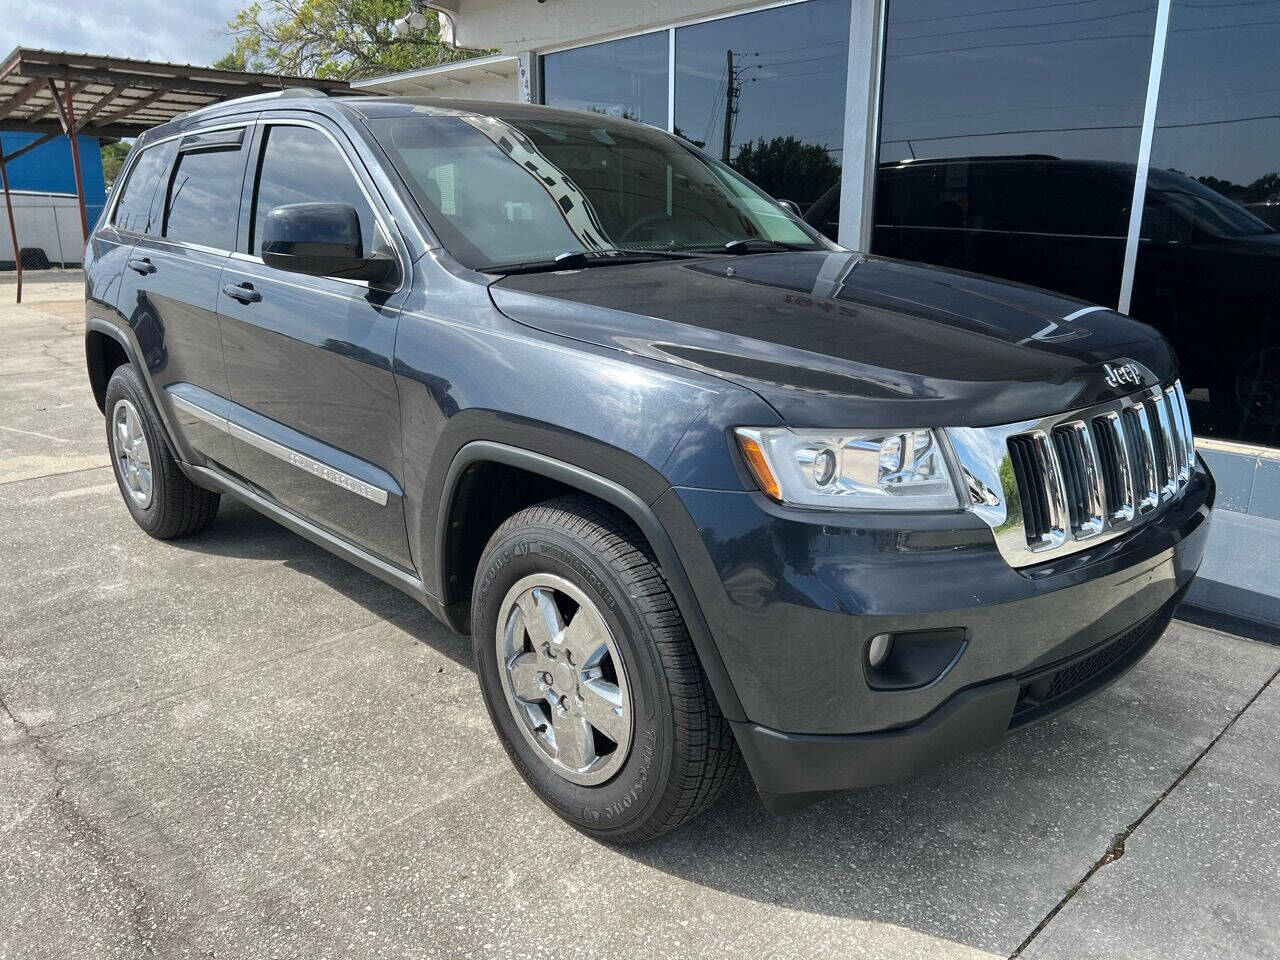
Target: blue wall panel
47 169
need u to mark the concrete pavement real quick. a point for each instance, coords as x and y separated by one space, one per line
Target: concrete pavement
236 745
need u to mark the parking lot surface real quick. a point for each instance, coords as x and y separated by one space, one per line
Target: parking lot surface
236 745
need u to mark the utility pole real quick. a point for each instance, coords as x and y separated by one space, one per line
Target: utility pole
730 105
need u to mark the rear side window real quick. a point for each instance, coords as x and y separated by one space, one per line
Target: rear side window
136 209
301 165
204 197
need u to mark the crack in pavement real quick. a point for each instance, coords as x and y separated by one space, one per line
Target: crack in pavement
1116 848
58 473
143 918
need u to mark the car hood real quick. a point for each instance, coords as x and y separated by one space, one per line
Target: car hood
836 339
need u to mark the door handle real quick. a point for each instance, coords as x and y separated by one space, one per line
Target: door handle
243 292
142 265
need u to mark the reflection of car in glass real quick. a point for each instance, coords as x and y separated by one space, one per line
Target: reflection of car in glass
699 484
1268 210
1208 271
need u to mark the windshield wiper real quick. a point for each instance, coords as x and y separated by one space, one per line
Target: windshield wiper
576 259
760 245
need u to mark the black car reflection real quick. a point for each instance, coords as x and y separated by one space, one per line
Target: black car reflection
1207 272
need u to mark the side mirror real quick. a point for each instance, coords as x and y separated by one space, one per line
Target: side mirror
792 206
321 240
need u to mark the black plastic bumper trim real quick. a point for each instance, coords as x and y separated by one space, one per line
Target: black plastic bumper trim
793 770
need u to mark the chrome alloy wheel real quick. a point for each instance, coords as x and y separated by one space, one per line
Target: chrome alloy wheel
133 456
564 680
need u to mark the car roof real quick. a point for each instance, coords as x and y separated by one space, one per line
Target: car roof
371 106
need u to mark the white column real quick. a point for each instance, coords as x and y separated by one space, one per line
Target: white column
528 83
861 122
1144 155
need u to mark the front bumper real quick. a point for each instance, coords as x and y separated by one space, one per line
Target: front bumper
794 770
792 599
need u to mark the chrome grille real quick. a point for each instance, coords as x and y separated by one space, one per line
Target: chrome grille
1102 466
1061 484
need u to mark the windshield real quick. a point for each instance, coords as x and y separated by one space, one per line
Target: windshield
505 191
1208 210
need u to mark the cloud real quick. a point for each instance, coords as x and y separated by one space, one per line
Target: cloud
178 31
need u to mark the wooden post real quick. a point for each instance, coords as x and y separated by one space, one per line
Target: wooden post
13 227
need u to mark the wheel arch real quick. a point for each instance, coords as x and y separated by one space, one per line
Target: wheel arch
104 346
562 476
105 349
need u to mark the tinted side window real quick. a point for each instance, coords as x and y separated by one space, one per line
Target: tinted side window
135 209
301 165
204 197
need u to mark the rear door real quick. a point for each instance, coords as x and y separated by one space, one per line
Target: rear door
309 358
169 290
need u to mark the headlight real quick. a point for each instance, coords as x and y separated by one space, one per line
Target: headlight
868 470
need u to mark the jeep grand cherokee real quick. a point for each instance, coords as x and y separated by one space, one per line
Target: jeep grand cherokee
702 486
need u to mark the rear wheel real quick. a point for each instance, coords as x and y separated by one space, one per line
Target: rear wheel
590 677
161 499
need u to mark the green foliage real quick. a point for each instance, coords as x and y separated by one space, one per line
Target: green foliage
341 39
788 168
1266 186
231 60
113 155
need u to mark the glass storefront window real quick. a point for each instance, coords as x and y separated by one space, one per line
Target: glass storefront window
1009 138
1208 268
765 91
622 78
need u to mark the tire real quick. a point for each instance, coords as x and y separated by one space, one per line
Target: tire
163 502
680 753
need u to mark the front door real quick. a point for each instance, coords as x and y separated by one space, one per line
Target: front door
317 421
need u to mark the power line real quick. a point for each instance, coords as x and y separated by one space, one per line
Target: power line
788 76
998 10
810 46
1025 43
1029 26
1120 126
1011 133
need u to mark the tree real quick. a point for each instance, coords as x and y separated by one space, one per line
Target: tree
231 60
113 155
343 39
788 168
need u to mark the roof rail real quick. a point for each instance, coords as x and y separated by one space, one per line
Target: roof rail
287 93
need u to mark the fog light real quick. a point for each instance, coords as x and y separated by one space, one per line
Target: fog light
879 648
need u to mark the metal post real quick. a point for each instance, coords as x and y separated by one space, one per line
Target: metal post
862 122
1138 203
69 103
13 227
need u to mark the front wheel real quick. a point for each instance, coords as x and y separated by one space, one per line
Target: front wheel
590 677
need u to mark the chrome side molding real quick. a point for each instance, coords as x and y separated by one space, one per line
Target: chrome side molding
290 456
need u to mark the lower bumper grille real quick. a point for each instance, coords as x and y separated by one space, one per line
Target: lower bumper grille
1057 686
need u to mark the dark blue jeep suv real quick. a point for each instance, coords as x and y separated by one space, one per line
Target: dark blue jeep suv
702 486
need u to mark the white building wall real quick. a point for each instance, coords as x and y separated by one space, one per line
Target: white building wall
514 26
46 222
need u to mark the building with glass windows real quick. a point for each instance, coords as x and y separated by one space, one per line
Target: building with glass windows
1123 151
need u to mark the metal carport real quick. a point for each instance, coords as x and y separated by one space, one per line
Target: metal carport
52 93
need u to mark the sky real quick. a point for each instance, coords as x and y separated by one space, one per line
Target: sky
178 31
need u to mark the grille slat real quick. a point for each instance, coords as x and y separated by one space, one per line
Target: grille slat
1072 474
1083 476
1030 478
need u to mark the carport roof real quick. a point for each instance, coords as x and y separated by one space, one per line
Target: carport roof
120 97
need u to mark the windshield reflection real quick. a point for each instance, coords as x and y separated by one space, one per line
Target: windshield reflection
501 190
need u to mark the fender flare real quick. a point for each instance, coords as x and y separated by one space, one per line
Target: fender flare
106 328
639 512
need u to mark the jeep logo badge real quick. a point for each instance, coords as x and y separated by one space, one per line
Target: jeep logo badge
1120 374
